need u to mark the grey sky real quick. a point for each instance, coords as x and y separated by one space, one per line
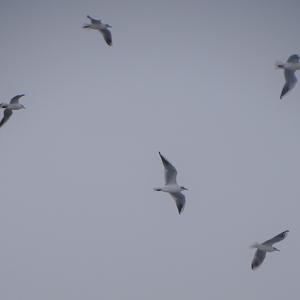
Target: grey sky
193 79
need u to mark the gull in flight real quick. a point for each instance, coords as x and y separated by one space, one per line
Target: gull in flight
290 67
103 28
8 108
265 247
171 185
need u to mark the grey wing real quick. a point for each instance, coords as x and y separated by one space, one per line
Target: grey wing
279 237
6 116
290 82
94 21
107 36
293 58
170 171
179 200
258 259
16 98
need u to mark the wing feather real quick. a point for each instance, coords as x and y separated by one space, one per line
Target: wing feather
107 36
290 82
6 116
179 200
16 98
170 171
278 238
258 259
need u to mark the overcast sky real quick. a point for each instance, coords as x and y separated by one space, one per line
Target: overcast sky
193 79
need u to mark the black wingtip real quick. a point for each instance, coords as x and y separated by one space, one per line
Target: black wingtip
254 266
284 91
180 209
163 158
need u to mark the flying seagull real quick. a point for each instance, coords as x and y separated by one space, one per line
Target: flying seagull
290 67
265 247
171 185
8 108
103 28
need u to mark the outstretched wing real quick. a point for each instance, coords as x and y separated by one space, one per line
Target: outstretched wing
258 259
94 21
6 116
170 171
290 82
276 238
16 98
179 200
293 58
107 36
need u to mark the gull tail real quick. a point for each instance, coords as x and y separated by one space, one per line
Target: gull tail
279 65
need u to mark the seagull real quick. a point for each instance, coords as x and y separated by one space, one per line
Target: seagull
291 65
171 185
103 28
265 247
8 108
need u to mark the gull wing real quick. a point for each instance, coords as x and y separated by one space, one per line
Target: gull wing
170 171
179 200
107 36
276 239
94 21
258 259
293 58
290 82
16 98
7 113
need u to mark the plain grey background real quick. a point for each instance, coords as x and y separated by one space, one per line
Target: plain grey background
193 79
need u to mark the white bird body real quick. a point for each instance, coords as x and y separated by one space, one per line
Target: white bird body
171 185
97 26
174 188
289 66
262 247
13 106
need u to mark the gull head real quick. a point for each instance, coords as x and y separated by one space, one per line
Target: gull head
22 106
3 105
183 188
275 249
